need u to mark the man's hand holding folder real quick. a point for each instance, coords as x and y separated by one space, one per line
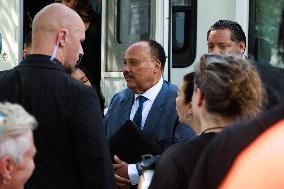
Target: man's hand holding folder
121 173
129 143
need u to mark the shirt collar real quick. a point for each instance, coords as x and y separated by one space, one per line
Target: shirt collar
40 60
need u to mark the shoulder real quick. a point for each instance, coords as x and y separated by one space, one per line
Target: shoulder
169 86
74 91
226 142
268 73
122 95
248 130
176 151
168 89
189 149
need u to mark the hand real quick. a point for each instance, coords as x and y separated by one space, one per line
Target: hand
121 173
121 183
120 168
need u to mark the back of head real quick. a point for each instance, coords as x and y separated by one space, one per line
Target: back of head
230 85
15 123
237 33
157 51
49 21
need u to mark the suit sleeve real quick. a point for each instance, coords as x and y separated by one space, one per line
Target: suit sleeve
90 143
109 111
182 132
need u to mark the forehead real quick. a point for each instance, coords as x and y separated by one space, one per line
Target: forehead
140 49
221 35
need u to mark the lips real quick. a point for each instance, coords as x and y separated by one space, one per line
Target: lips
127 76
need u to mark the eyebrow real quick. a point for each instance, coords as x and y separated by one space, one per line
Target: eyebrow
131 59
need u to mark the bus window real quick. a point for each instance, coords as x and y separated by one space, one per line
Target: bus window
133 20
263 30
178 30
183 32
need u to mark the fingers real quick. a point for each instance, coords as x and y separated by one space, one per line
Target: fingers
121 182
118 163
117 160
117 166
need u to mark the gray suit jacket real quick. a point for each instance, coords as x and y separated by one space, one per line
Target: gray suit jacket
162 122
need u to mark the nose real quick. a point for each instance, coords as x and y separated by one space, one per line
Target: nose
214 50
126 67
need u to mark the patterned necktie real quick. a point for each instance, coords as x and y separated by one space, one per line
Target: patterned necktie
138 114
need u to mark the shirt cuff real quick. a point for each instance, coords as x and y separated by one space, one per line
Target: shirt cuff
133 174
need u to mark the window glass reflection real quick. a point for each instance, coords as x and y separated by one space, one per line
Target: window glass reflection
178 30
133 20
266 31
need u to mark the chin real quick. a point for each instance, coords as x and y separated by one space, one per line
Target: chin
130 86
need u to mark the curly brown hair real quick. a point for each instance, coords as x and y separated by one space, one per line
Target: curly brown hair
230 85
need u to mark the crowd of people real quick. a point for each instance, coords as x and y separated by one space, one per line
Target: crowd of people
223 127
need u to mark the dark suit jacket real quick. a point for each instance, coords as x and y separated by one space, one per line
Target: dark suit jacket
162 122
71 145
273 81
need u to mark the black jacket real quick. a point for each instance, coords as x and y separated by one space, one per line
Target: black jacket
71 145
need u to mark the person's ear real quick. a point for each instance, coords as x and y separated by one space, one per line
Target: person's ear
189 110
62 37
242 47
158 65
199 97
7 165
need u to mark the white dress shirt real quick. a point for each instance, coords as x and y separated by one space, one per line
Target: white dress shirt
151 95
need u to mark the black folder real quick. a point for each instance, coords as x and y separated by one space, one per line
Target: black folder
129 143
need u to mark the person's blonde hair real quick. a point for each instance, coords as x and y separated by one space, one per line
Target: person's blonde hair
15 123
230 85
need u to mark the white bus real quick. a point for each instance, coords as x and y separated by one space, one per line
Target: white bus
179 25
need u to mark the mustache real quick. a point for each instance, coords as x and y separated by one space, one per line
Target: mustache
127 75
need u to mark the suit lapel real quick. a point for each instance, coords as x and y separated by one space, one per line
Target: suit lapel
125 110
156 111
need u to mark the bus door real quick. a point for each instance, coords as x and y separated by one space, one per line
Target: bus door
123 23
10 35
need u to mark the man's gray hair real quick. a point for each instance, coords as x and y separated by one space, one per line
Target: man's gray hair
15 123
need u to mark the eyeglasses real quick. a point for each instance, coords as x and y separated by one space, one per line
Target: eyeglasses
206 59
